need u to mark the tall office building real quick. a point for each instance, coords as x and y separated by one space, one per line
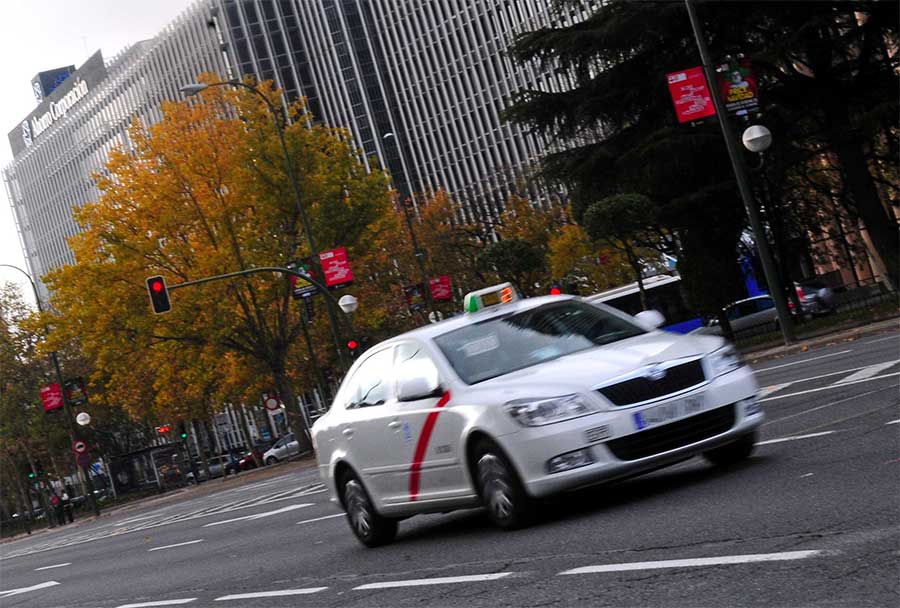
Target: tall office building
420 84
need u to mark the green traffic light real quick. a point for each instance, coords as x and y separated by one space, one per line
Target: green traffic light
31 476
184 435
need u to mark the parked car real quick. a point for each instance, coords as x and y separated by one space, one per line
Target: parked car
283 448
816 298
757 312
217 466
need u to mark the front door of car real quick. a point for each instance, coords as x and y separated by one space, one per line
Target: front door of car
433 427
370 423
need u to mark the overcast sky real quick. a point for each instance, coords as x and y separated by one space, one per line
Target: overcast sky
38 35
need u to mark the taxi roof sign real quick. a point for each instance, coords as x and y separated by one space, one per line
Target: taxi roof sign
504 293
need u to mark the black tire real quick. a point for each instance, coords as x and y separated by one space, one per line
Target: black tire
732 453
507 503
370 528
271 460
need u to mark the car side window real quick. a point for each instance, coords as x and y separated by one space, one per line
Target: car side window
372 384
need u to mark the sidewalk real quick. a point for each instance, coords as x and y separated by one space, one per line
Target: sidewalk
824 337
204 489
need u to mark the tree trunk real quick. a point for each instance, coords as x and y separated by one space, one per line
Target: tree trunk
246 427
638 274
292 407
202 453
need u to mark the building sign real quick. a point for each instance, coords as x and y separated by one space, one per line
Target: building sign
690 94
52 397
738 87
440 288
46 82
58 109
336 267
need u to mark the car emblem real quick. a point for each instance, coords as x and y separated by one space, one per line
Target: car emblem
655 372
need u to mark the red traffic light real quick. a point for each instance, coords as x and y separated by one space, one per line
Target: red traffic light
555 291
163 428
352 344
159 294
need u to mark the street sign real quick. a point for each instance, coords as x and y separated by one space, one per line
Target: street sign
301 287
79 447
336 267
272 404
83 459
690 94
52 397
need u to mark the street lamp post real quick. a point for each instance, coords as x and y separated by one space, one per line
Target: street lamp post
740 174
280 119
87 485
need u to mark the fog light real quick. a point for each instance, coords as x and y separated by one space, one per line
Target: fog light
751 406
570 460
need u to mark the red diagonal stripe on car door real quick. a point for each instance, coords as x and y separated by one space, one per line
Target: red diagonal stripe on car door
415 470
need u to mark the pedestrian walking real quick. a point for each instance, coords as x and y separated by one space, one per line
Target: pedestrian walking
68 507
57 505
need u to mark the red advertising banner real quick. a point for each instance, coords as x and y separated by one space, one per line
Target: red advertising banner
440 288
738 87
336 267
690 94
52 397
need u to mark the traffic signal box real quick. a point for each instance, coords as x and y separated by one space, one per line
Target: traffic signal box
159 295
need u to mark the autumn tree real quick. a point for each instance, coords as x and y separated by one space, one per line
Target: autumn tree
205 192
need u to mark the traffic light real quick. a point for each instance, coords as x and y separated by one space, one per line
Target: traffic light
39 467
159 294
31 475
353 347
163 429
183 431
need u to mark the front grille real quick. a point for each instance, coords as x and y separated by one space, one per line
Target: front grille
673 435
677 378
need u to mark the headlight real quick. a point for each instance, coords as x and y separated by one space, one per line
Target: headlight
537 412
724 360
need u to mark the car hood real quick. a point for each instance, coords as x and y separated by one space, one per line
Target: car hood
581 371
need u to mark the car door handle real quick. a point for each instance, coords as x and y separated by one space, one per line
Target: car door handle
347 432
394 424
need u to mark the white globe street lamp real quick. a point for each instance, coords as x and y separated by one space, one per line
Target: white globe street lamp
757 138
348 304
83 418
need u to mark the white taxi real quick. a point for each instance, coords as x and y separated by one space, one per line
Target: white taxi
522 398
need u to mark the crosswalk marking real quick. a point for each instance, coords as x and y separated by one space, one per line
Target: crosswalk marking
768 390
20 590
832 386
856 375
259 515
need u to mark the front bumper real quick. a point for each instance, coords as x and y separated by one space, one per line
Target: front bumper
618 448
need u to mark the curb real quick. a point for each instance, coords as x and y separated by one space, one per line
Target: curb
825 337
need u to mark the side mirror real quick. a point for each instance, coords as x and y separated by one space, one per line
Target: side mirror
650 318
417 379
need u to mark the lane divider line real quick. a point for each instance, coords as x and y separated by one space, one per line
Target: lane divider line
190 542
765 369
795 437
259 515
830 404
53 566
444 580
178 602
897 421
868 372
694 562
20 590
282 593
309 521
831 387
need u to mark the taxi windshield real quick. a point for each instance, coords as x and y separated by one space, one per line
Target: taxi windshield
501 345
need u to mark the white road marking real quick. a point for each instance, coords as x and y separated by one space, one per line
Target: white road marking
53 566
768 390
893 422
247 596
186 600
309 521
766 369
868 372
894 337
694 562
190 542
472 578
260 515
795 437
831 387
20 590
829 404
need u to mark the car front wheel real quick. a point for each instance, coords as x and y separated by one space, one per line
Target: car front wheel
271 460
372 529
504 497
732 453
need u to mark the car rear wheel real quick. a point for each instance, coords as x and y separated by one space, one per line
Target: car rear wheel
271 460
372 529
732 453
504 497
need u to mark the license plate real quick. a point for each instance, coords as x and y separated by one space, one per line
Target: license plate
668 412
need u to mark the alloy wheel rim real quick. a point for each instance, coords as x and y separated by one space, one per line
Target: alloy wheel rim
495 486
358 508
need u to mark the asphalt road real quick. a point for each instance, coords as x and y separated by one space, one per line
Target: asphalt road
812 519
